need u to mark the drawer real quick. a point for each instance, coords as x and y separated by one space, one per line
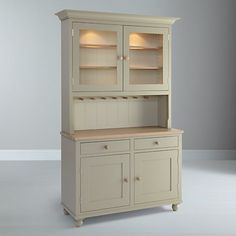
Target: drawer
87 148
153 143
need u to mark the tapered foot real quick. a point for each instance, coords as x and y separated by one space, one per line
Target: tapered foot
65 212
78 223
174 207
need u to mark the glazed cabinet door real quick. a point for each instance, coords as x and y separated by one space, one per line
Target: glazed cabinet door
156 176
97 57
145 58
105 182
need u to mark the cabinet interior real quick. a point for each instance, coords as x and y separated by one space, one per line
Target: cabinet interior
120 112
146 58
98 57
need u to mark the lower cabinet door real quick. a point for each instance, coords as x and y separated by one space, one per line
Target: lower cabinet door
156 176
105 182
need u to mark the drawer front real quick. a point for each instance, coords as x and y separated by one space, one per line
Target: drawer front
153 143
104 147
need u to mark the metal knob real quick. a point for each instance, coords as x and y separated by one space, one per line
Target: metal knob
138 178
120 58
156 142
125 180
106 147
126 58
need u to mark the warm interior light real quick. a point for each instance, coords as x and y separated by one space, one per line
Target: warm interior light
89 37
146 40
136 39
97 37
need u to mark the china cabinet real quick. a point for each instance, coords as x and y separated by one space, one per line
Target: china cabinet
119 151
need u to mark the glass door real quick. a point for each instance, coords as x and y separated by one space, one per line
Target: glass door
145 58
97 57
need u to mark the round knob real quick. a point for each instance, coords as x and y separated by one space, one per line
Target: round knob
106 147
156 142
125 180
138 178
120 58
126 58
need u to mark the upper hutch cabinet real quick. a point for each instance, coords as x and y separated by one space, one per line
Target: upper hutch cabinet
119 57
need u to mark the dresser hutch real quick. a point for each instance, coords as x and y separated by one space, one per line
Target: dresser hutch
118 150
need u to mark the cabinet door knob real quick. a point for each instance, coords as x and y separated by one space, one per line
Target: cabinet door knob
138 178
106 147
120 58
156 142
125 180
126 58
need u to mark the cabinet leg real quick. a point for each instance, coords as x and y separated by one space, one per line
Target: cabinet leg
174 207
78 223
65 212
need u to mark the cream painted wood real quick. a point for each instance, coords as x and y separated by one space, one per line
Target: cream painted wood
164 115
89 148
104 113
115 18
67 124
154 143
144 77
78 171
78 223
69 179
104 182
119 152
109 94
97 68
156 176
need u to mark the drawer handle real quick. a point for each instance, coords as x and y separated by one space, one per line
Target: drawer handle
138 178
156 143
106 147
125 180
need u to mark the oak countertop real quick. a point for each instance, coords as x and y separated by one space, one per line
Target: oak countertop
82 135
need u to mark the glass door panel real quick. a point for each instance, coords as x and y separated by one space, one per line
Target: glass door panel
96 51
146 58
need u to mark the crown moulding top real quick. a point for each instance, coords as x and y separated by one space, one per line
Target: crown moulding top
114 17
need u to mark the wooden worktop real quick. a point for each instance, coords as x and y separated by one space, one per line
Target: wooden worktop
121 133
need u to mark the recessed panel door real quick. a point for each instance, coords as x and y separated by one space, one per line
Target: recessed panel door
156 176
105 182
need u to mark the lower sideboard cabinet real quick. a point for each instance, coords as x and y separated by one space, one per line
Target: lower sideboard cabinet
110 176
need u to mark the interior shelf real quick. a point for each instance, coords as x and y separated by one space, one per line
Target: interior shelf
103 46
144 48
98 67
145 68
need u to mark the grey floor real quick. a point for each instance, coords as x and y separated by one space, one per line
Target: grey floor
30 204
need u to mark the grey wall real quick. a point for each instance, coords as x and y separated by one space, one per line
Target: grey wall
203 69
